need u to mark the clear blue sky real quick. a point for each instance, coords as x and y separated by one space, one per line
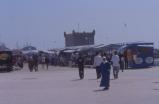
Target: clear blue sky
43 22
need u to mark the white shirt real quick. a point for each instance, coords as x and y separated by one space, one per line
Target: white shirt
97 60
115 60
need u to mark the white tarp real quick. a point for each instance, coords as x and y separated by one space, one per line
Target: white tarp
30 51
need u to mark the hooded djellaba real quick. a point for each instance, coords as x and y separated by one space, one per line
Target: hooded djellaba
105 72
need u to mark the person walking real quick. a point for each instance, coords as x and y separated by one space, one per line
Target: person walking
121 57
20 62
97 61
105 73
116 64
35 59
43 59
47 62
80 62
125 60
30 63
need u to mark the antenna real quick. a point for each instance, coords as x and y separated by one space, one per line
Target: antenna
78 28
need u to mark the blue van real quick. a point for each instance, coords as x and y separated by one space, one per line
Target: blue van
138 55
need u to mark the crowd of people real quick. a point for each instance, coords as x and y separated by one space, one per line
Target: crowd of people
102 64
33 61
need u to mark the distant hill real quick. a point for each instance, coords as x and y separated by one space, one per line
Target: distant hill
3 47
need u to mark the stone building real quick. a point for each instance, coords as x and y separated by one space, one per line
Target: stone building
79 38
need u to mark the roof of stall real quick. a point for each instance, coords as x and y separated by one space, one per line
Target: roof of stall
29 48
139 43
30 52
84 47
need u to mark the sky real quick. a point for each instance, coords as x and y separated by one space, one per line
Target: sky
42 23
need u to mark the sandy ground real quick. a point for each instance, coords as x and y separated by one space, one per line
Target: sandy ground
61 85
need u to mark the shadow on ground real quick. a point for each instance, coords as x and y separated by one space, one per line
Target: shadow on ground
100 90
76 80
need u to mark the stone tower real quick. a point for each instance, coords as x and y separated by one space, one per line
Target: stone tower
79 38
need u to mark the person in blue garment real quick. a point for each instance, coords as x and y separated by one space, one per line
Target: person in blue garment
105 72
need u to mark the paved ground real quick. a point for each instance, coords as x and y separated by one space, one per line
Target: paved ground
62 86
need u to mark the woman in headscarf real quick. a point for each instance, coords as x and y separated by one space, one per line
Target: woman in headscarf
105 72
